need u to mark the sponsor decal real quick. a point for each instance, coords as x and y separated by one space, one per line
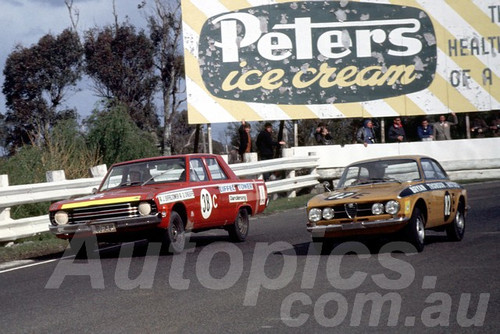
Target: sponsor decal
419 188
237 198
245 186
227 188
317 52
174 196
262 195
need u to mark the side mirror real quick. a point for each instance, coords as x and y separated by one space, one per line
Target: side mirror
327 185
94 190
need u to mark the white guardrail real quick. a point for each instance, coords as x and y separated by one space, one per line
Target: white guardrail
58 188
462 159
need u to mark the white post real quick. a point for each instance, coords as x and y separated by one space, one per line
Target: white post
99 170
4 212
209 134
288 153
55 175
295 133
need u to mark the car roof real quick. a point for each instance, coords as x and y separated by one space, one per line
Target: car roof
162 157
395 157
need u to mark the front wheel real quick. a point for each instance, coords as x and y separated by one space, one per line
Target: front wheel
415 230
239 230
174 238
455 231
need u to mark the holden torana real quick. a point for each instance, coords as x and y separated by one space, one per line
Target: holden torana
161 198
408 194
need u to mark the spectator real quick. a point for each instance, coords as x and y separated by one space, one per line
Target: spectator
366 134
478 127
322 135
266 145
425 131
396 131
442 128
245 139
495 126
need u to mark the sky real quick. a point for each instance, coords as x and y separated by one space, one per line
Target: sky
26 21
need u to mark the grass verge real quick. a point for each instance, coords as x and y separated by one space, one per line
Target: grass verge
46 244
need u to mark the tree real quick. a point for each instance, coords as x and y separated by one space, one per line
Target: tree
36 82
116 137
119 60
165 25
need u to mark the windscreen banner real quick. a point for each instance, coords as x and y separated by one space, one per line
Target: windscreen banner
278 60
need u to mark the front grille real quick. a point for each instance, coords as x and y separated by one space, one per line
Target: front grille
104 213
352 210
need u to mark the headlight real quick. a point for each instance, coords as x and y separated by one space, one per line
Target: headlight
392 207
61 217
315 215
378 208
328 213
144 208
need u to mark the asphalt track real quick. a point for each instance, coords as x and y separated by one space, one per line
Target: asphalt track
275 282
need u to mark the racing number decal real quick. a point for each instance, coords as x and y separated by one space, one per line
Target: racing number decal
205 203
447 205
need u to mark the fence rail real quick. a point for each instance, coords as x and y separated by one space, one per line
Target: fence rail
59 188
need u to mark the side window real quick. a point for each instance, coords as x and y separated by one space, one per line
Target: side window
197 170
428 168
215 170
440 173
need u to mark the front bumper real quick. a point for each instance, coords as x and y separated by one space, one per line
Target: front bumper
364 226
120 225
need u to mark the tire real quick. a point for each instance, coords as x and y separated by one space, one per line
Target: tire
239 230
415 230
455 231
174 237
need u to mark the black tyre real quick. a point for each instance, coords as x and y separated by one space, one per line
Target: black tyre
239 230
415 230
174 237
455 231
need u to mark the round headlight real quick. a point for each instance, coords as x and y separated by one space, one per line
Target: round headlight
328 213
378 208
144 208
315 214
392 207
61 217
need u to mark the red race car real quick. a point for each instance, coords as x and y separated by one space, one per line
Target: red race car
161 198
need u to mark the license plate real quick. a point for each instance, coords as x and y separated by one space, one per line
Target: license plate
104 228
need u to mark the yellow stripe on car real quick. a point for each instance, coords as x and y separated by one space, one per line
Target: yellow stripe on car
101 202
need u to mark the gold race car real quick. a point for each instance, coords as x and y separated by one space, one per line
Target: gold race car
379 196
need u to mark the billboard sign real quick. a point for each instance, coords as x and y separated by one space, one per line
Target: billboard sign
269 60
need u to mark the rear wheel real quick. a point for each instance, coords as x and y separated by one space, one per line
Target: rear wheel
174 238
455 231
239 230
415 230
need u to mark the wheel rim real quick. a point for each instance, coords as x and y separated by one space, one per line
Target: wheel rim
242 226
420 230
459 222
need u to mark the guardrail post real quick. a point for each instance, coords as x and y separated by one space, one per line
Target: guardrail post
55 175
288 153
99 170
4 212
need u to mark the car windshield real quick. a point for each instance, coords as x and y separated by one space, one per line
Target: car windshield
397 170
147 172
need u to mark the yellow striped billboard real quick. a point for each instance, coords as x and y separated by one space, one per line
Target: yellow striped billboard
280 60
